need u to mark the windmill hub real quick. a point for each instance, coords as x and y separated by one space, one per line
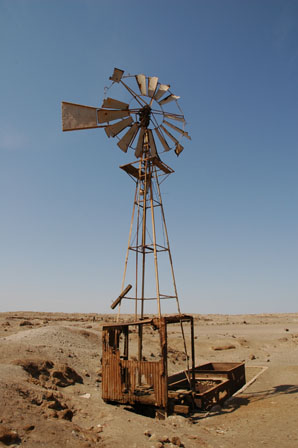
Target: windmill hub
144 116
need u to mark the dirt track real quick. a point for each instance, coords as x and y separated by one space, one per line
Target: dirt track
50 384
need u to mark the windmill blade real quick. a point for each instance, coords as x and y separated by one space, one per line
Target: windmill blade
113 129
168 99
152 143
104 116
175 117
181 131
117 75
179 148
77 116
169 134
140 144
152 84
162 140
110 103
161 91
128 137
141 80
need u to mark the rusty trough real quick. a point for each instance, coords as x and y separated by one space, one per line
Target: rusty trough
140 382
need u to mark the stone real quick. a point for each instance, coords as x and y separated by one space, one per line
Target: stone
29 428
8 436
147 433
252 356
164 439
175 440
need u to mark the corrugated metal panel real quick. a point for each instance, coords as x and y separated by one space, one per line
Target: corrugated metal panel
120 376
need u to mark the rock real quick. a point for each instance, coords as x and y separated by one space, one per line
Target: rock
175 440
164 439
66 414
147 433
29 428
286 329
224 347
157 445
8 436
252 356
85 396
25 322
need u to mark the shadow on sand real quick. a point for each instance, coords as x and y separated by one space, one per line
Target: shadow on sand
234 403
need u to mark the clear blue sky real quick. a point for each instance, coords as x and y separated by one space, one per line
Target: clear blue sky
231 205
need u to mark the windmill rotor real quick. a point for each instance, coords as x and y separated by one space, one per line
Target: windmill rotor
147 116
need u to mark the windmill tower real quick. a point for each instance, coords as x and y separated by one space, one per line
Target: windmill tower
150 123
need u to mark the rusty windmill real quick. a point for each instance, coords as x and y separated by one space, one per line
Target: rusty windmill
150 122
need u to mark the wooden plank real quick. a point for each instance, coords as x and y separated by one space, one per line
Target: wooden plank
181 409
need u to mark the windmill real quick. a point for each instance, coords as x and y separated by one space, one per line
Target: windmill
147 126
150 122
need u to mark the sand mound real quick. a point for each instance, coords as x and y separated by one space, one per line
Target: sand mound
47 374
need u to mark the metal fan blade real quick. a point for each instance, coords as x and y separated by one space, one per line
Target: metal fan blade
161 91
152 83
128 137
181 131
110 103
179 148
169 134
113 129
104 116
117 75
140 144
168 99
152 143
141 80
162 140
77 116
175 117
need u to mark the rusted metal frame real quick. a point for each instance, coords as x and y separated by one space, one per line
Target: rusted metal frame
140 338
137 242
162 297
148 249
192 339
148 321
173 274
155 251
128 246
156 111
145 187
164 353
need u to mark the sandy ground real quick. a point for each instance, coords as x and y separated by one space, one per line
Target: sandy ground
50 384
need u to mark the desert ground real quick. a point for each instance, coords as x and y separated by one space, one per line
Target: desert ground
50 384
